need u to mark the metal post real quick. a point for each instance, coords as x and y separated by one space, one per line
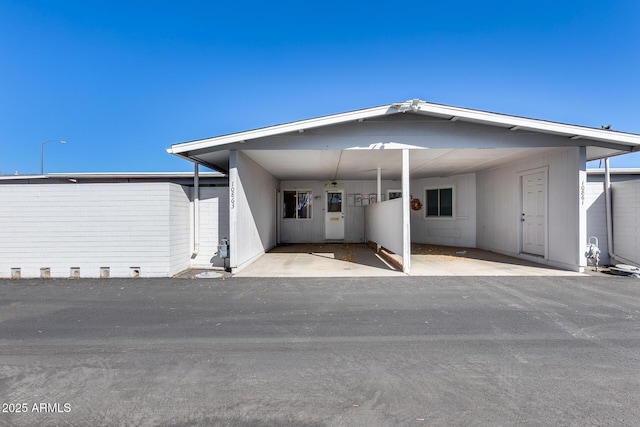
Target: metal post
406 214
196 210
42 152
379 199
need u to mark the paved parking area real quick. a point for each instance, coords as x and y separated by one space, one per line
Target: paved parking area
382 351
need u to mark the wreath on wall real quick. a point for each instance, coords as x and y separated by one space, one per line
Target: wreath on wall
416 205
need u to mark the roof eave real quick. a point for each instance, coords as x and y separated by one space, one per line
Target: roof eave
514 123
283 128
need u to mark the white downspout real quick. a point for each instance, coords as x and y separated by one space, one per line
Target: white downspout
196 211
609 214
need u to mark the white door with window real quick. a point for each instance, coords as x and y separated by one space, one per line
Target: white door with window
334 215
534 213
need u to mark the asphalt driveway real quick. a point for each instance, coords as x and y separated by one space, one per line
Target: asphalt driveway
414 351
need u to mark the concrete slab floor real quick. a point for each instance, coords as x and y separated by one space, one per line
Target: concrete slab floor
359 260
320 260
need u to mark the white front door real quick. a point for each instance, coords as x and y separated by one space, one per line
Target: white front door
334 215
534 213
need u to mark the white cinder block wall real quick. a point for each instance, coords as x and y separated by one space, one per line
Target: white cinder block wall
94 226
625 197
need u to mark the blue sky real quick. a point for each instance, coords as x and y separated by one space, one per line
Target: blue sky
121 81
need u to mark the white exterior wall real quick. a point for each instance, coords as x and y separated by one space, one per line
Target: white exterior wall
252 198
214 225
89 226
179 226
499 207
597 217
312 230
384 224
457 231
625 197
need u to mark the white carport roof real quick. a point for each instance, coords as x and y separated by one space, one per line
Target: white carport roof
281 149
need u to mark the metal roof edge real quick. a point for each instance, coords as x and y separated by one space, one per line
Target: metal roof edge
417 106
614 171
282 128
121 175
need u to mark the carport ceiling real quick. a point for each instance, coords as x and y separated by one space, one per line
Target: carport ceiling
362 164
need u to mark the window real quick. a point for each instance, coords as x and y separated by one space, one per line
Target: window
297 204
394 194
439 202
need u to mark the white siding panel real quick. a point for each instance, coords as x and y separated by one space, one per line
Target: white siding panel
214 225
499 208
625 199
596 217
90 226
255 210
179 226
384 224
312 230
457 231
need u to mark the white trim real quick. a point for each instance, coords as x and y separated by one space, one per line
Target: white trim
406 213
521 175
516 123
233 212
343 212
297 190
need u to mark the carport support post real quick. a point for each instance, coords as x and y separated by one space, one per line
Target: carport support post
196 210
233 211
379 198
406 214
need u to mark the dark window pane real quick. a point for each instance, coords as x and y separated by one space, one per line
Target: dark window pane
289 204
432 202
446 202
334 202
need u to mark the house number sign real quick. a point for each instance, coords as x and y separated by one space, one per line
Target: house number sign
232 194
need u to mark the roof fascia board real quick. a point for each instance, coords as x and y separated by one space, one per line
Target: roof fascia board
525 124
459 114
283 128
